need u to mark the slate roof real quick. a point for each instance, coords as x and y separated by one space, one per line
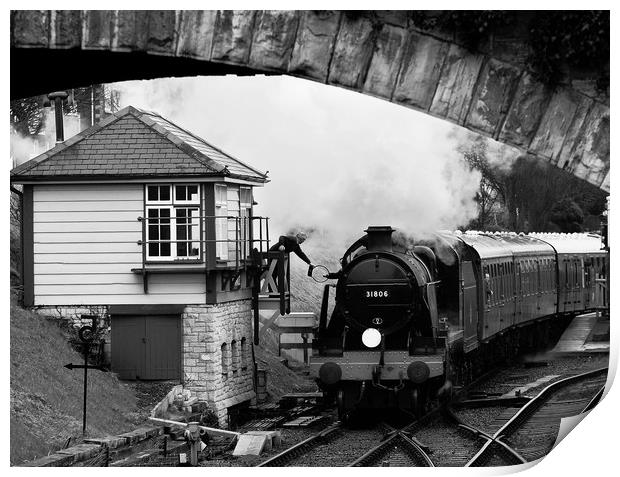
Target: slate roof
133 143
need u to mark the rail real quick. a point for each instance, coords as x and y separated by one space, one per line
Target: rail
399 438
526 411
281 459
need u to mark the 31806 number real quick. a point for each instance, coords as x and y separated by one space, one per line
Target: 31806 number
377 294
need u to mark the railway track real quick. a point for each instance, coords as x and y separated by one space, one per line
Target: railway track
530 433
335 446
442 438
398 450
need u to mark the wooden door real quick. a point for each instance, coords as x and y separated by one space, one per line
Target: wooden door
127 348
146 347
163 347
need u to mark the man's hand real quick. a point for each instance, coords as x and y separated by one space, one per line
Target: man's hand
281 248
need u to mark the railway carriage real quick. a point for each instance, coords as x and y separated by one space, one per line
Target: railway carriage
410 318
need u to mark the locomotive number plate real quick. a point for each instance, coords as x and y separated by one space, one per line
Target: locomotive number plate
377 294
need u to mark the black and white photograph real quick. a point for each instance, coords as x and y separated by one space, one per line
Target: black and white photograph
308 238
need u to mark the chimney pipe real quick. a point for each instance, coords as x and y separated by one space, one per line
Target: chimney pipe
58 97
379 238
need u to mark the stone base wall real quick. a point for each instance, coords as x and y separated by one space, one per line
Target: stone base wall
217 354
217 360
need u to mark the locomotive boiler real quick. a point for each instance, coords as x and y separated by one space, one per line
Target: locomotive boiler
411 319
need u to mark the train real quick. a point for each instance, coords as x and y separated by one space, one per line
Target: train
413 318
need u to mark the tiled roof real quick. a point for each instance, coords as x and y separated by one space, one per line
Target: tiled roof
133 143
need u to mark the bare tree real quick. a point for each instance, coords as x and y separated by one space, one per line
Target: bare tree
490 191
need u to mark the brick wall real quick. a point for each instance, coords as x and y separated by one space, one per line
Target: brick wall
217 354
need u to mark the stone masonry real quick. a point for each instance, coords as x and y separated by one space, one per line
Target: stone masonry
218 366
217 354
386 54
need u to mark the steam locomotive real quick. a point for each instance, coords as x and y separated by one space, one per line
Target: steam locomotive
410 319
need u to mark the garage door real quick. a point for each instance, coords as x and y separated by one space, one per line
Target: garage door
146 346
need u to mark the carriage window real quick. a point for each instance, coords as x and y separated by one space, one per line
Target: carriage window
502 282
487 283
495 284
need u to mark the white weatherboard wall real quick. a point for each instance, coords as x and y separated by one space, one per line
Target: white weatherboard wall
86 243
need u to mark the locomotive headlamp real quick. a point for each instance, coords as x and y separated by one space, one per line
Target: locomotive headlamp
371 337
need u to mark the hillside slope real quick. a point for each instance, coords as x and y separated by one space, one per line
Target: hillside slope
306 294
46 397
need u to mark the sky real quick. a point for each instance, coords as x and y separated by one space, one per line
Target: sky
338 160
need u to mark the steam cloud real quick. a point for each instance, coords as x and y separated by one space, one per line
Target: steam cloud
22 149
339 160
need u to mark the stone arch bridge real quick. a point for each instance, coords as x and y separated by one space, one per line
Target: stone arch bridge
383 54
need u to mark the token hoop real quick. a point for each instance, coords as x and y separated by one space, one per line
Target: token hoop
322 277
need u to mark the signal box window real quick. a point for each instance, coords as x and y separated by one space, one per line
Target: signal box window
173 222
221 221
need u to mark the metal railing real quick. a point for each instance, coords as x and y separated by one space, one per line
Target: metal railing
250 233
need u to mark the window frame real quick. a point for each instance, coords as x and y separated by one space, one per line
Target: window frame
221 248
173 205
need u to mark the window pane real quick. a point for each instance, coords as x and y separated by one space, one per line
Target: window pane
164 193
165 231
182 249
152 193
192 193
181 192
153 250
246 195
165 249
220 194
153 232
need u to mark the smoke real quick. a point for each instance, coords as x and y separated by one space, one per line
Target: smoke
339 161
22 149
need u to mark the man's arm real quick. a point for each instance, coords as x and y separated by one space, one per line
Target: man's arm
301 254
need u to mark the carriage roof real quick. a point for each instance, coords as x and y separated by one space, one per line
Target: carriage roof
572 243
496 244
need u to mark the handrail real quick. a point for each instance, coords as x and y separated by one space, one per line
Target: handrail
244 240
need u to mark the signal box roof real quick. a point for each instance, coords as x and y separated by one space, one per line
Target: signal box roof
131 144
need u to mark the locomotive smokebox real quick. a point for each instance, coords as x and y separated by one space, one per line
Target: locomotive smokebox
379 238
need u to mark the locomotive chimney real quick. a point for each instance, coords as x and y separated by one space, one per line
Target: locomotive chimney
379 238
